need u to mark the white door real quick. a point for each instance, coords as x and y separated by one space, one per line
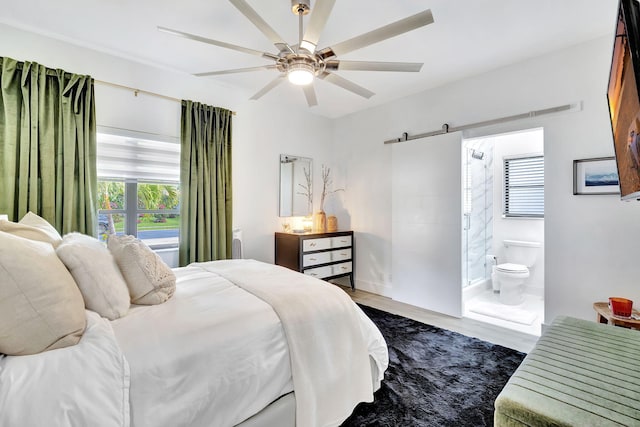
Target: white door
427 223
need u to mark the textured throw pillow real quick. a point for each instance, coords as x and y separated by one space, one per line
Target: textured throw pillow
32 227
149 279
41 307
96 273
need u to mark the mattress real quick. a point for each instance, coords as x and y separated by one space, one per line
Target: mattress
580 373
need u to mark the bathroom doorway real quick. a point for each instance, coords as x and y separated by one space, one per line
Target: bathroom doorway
487 222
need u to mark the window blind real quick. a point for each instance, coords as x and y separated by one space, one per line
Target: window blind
131 157
524 187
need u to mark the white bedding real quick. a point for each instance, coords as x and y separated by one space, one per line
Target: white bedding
213 355
328 338
83 385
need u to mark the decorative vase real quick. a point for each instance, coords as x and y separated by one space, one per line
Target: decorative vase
332 224
320 222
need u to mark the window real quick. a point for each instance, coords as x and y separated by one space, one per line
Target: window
524 186
138 189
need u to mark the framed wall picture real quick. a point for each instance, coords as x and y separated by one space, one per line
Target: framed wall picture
595 176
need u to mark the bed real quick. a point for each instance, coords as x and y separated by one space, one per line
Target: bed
241 342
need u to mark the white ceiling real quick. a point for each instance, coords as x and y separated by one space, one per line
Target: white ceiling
468 37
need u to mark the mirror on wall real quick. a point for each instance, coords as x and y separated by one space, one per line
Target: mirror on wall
295 185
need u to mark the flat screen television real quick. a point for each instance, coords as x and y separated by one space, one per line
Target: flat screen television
623 96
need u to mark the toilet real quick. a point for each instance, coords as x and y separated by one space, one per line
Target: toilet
511 275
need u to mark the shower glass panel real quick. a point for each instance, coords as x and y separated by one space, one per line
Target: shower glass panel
477 210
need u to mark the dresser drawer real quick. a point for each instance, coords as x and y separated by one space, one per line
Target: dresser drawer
321 255
309 245
341 255
341 268
316 258
320 272
340 241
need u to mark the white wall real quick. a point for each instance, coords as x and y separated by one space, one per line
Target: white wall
590 241
259 139
260 132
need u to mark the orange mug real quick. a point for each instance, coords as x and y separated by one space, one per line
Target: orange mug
620 306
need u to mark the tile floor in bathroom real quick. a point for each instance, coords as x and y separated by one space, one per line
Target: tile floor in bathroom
489 302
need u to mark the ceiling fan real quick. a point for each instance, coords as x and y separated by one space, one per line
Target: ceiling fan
303 62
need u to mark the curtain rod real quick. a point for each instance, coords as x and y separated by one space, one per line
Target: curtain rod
137 91
446 128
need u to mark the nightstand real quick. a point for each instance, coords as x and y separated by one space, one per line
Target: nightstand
604 315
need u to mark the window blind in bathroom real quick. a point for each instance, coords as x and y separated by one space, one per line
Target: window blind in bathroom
524 186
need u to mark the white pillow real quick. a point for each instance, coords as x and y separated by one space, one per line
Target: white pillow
32 227
41 307
149 279
84 385
96 273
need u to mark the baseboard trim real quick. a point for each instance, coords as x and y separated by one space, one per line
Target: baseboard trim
374 288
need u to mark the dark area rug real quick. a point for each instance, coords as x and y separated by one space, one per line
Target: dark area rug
435 377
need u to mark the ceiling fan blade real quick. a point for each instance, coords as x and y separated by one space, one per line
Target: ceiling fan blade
391 30
261 24
218 43
237 70
346 84
310 94
273 83
319 16
413 67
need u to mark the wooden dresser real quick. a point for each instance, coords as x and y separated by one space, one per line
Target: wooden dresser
322 255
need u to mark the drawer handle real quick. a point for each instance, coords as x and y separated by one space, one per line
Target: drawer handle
343 241
313 274
312 244
312 259
344 268
343 254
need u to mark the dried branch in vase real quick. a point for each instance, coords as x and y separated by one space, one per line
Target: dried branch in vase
326 184
307 188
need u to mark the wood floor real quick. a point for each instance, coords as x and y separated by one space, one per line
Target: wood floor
473 328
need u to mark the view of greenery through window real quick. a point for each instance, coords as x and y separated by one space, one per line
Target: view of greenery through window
150 211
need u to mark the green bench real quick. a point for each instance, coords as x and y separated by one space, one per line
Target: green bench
580 373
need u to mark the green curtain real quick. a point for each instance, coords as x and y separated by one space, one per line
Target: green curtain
205 181
47 145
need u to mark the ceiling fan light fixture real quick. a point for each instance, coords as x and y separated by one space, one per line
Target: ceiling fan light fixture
300 73
303 62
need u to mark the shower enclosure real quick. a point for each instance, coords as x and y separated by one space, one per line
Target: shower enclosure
477 221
